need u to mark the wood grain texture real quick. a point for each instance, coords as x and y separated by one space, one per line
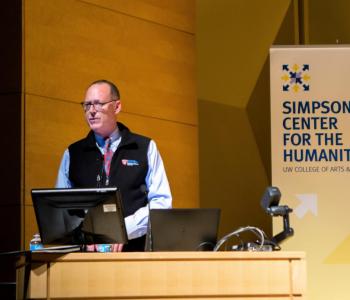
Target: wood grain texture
172 278
179 14
146 47
70 44
180 275
38 276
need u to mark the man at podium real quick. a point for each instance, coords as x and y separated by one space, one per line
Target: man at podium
112 155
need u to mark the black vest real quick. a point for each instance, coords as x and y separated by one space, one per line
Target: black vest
128 171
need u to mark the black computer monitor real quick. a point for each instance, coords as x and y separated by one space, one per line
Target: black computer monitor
79 216
183 229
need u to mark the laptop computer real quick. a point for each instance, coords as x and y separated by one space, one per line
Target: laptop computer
182 229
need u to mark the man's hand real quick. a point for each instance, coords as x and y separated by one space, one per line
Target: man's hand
117 247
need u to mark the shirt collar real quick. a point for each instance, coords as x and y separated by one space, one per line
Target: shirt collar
100 140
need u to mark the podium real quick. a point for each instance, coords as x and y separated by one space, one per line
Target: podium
163 275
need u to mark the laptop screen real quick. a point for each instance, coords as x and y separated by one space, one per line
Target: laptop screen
183 229
79 216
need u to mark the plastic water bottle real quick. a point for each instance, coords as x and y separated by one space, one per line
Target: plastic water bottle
35 243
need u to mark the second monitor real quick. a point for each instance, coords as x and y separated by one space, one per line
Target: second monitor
183 229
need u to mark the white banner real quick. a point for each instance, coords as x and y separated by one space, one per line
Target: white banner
310 132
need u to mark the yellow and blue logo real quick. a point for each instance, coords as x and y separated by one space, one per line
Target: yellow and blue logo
296 78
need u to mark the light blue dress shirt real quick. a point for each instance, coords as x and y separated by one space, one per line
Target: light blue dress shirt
159 194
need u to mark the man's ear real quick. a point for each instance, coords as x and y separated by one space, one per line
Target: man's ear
117 107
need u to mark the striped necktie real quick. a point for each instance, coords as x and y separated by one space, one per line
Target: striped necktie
107 158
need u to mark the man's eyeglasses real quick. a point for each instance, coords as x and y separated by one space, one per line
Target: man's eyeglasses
98 106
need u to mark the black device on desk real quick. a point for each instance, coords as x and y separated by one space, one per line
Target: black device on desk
182 229
79 216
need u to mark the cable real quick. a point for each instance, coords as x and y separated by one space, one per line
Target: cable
257 231
205 246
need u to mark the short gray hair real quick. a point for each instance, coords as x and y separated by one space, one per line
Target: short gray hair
114 90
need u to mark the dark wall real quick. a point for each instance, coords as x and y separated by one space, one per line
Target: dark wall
234 38
10 153
328 22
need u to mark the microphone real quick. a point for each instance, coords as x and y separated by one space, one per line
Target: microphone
98 179
99 175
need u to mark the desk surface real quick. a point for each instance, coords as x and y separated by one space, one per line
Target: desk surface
185 255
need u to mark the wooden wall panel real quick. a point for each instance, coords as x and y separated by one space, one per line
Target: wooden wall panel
146 47
51 125
71 43
178 14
